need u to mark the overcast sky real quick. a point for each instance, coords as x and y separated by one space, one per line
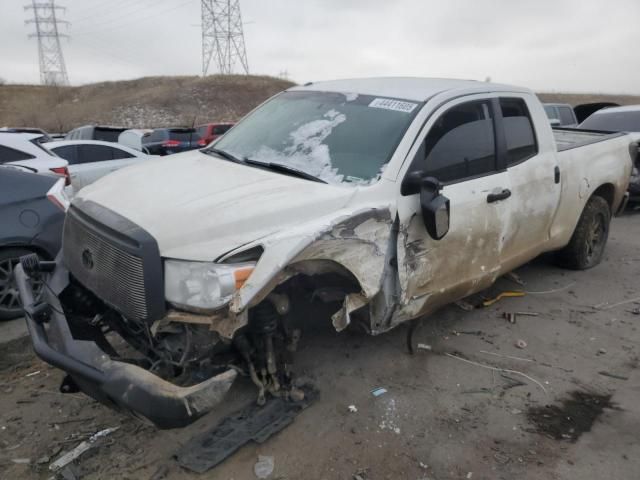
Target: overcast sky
547 45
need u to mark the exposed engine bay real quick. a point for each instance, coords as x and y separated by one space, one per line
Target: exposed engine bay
184 352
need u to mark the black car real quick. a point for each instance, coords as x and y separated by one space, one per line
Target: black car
620 119
31 223
165 141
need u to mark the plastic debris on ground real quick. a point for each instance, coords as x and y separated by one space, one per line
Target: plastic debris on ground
264 466
251 423
376 392
521 343
72 455
500 296
353 409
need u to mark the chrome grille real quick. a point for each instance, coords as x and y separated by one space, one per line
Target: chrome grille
99 260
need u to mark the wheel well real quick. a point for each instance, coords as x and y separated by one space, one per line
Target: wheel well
606 191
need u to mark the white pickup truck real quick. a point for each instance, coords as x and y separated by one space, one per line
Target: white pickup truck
386 198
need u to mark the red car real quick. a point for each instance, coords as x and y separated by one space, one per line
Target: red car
210 131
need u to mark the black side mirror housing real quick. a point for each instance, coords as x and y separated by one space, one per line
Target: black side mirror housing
435 208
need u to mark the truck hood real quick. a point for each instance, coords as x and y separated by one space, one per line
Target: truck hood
199 207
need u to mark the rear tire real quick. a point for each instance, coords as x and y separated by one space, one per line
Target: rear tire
10 303
589 239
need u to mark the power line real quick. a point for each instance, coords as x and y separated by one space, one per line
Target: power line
98 8
137 20
52 67
223 36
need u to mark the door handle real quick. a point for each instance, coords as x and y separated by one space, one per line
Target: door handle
496 197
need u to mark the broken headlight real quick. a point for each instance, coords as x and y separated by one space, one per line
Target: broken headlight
203 286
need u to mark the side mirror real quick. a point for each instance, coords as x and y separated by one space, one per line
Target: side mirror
435 207
436 214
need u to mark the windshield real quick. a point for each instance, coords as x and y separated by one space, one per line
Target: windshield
613 121
333 136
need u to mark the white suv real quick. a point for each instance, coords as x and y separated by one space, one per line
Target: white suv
23 151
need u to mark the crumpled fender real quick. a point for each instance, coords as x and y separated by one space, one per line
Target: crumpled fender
357 240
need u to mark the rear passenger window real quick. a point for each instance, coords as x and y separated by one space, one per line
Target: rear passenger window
11 155
118 153
68 152
461 143
518 130
94 153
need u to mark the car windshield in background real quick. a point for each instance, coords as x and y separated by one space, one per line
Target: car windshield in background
613 121
333 136
184 135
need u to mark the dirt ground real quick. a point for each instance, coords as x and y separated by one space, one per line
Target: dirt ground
441 417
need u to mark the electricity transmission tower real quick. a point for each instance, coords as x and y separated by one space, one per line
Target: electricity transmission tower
52 68
222 36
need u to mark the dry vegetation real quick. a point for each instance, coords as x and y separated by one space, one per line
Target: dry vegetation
578 98
161 101
146 102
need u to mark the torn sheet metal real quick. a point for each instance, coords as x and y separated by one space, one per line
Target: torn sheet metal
352 302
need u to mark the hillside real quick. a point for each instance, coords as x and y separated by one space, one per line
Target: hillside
578 98
161 101
146 102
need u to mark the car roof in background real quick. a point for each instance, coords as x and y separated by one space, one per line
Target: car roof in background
62 143
24 136
625 108
409 88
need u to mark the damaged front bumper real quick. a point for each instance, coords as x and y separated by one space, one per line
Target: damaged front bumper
118 384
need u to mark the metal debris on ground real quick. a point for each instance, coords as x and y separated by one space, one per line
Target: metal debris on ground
498 369
464 305
511 317
613 375
72 455
251 423
608 306
264 466
376 392
500 296
514 277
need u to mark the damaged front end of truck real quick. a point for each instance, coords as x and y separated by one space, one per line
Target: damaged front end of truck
107 320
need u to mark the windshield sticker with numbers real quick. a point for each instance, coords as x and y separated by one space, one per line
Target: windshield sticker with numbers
390 104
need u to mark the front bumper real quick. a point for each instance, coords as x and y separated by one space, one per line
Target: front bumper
118 384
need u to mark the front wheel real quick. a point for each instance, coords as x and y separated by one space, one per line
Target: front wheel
587 244
10 304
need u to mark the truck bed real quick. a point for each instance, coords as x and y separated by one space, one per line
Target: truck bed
568 138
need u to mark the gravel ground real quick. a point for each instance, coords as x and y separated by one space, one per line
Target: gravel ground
568 410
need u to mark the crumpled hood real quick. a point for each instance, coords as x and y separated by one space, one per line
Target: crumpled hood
199 207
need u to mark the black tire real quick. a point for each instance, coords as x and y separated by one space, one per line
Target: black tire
589 239
10 304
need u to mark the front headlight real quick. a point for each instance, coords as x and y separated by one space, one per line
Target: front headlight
203 285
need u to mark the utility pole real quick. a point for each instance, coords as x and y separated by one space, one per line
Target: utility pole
222 36
52 68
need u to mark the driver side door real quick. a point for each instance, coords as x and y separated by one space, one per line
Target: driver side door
459 148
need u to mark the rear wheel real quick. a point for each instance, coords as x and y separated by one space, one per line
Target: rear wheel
589 239
10 304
